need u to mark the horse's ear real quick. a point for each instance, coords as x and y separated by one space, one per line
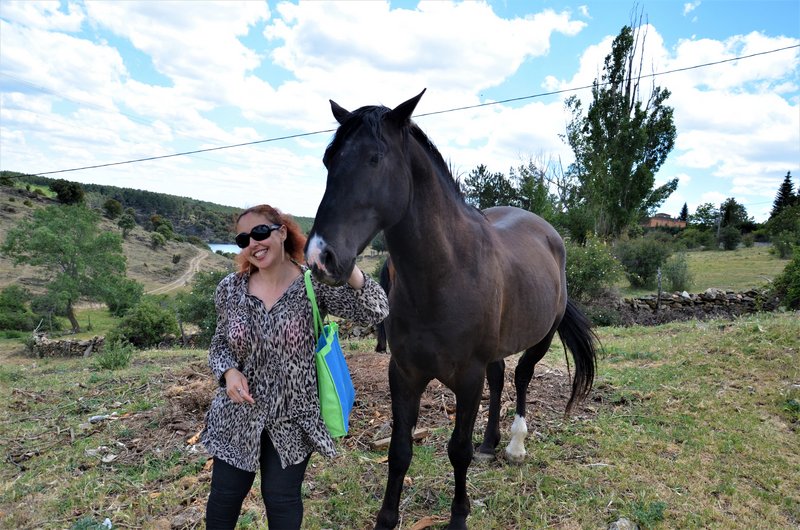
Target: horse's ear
402 113
339 113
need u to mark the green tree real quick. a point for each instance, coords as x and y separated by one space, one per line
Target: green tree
67 192
684 215
734 214
379 242
785 196
484 189
113 208
532 190
197 306
705 216
127 223
82 260
621 141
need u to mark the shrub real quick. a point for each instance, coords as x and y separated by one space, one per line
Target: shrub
748 240
115 355
14 312
176 258
123 295
157 240
603 315
196 241
677 274
641 259
783 243
730 237
591 269
787 284
693 238
145 324
197 306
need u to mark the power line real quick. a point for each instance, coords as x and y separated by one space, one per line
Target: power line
455 109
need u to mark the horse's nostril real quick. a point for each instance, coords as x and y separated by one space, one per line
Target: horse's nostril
328 259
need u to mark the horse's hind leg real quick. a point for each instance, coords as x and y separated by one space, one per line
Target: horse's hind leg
491 437
515 451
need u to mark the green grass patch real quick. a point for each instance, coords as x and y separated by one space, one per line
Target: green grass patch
736 270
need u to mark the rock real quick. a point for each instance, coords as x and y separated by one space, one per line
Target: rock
623 524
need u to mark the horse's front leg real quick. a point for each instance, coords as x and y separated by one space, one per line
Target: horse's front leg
491 436
406 396
459 449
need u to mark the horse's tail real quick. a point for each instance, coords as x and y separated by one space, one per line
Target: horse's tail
577 336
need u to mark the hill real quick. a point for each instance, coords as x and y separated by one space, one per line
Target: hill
209 222
158 270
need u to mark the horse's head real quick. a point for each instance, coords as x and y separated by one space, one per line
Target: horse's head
368 187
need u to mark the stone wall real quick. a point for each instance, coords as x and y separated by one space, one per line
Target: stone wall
712 303
44 347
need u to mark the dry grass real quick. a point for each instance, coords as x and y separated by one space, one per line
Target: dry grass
691 425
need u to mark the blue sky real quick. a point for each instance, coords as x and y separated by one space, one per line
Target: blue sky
91 83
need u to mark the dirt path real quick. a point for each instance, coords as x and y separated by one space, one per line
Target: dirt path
186 277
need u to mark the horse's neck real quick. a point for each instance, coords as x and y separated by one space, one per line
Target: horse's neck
432 236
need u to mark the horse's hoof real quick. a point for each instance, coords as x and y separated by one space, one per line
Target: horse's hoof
515 458
483 457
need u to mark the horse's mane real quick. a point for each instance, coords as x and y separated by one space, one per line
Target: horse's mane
372 118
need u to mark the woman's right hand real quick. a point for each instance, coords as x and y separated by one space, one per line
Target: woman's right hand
236 387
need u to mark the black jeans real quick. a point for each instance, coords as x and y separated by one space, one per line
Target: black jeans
280 489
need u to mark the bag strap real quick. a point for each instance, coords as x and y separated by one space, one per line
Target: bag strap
310 290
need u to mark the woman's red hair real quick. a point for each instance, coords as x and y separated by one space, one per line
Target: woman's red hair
295 239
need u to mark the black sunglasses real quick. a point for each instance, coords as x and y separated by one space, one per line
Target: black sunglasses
259 233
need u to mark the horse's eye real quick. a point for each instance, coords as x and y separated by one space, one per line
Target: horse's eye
375 159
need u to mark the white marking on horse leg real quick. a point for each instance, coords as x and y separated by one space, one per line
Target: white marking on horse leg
315 246
515 452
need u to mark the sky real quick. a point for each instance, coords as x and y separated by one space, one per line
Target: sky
90 83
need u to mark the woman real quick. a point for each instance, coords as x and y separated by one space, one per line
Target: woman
266 412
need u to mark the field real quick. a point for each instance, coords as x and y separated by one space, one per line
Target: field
737 270
690 425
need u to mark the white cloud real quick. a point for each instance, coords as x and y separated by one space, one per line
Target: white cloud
584 11
688 7
43 14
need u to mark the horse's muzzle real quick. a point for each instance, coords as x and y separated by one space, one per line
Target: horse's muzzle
324 264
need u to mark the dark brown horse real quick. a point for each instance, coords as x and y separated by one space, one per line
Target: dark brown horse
471 287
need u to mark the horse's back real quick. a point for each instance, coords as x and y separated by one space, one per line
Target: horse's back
532 256
523 232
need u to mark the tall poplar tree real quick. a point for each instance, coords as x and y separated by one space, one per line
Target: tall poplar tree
621 141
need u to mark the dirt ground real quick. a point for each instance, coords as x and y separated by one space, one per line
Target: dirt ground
190 390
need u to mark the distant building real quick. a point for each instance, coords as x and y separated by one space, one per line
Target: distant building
663 219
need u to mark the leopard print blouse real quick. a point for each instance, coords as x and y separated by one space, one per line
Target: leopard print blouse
274 349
